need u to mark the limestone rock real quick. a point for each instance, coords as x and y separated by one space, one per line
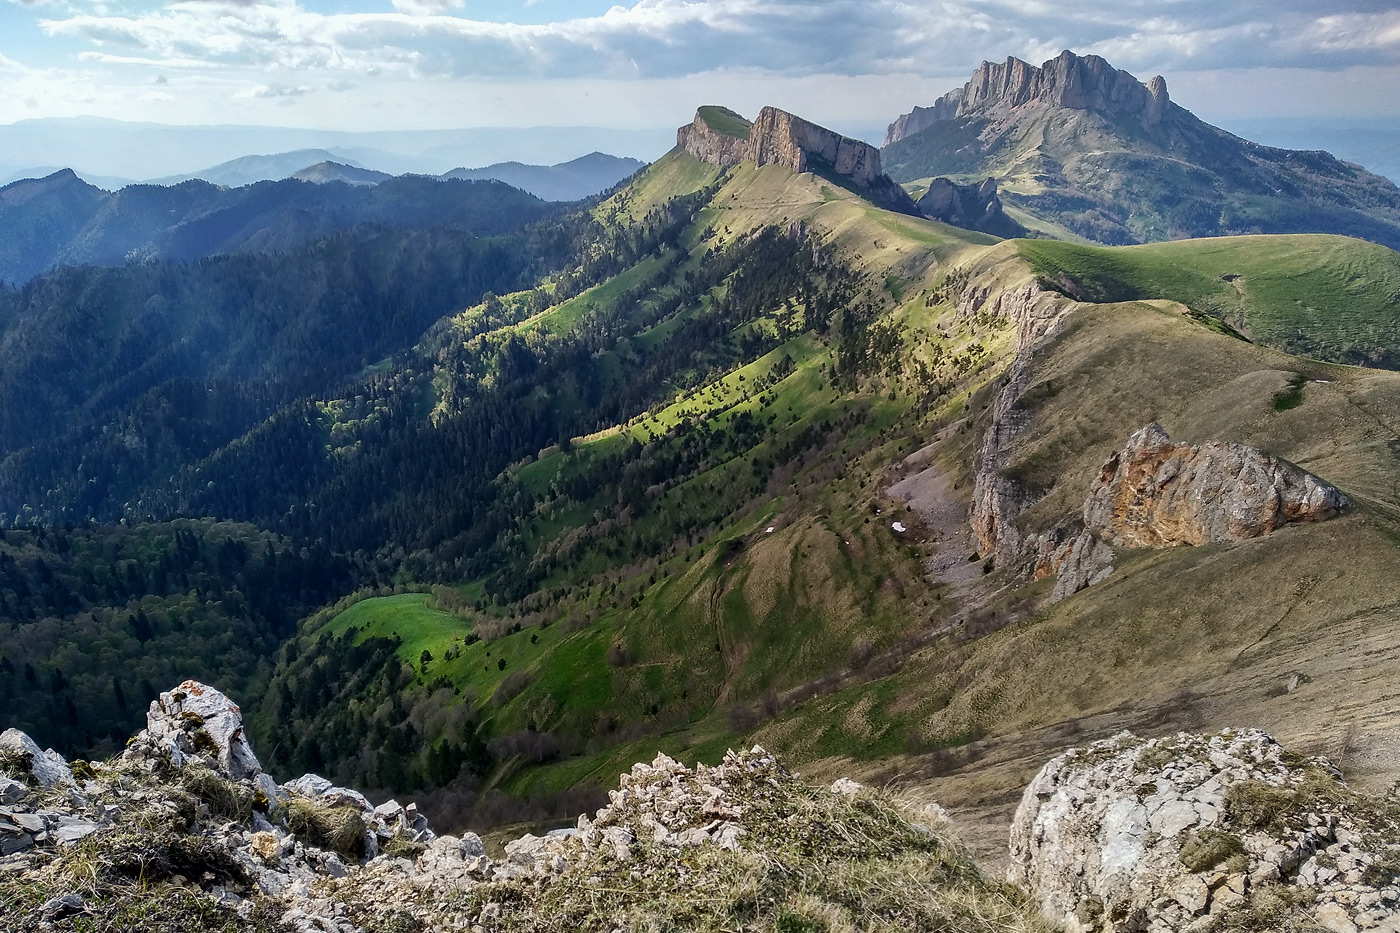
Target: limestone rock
777 137
1080 562
318 788
997 500
1156 493
780 138
1158 835
712 145
1071 81
970 206
46 767
195 719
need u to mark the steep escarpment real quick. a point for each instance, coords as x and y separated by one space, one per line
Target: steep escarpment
722 137
1091 148
1068 81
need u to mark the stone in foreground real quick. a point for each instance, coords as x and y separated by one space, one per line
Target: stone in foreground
1173 834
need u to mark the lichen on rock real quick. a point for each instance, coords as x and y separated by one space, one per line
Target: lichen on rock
1191 832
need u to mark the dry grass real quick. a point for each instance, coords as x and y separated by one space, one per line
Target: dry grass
814 861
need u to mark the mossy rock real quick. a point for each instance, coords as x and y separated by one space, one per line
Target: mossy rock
1208 848
226 799
340 829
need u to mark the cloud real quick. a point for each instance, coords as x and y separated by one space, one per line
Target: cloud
427 7
263 91
655 39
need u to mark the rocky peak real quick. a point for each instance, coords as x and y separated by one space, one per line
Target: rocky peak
1069 81
970 206
777 137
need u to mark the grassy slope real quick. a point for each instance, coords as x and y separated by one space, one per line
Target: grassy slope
725 121
1324 296
743 611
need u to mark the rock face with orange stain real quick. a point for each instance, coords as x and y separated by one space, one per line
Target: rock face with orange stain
1158 493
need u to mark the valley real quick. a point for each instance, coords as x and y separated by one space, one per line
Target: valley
486 504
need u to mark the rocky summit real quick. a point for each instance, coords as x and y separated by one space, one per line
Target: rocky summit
184 830
722 137
1070 81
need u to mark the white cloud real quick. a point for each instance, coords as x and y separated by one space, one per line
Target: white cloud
669 38
267 92
427 7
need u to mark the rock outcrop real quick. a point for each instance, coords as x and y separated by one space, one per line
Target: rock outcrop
1072 81
195 718
972 207
1156 493
997 499
172 840
718 136
1183 832
777 137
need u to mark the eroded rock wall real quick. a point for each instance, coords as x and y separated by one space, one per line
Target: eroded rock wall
1157 493
780 138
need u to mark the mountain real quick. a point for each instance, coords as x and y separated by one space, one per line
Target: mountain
1374 144
736 455
248 170
105 182
1092 150
146 150
61 220
722 137
568 181
324 172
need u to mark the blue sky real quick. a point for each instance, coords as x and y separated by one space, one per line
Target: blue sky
419 64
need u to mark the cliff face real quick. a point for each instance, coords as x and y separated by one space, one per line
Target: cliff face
780 138
972 207
711 145
1071 81
1156 493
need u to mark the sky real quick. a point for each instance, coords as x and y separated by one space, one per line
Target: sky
440 64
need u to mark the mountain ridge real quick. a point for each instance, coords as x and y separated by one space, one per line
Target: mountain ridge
1089 147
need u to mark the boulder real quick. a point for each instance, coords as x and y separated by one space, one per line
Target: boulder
1156 493
1159 835
195 719
22 754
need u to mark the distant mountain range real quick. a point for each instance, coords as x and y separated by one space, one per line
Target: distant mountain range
249 170
61 220
112 149
1095 152
568 181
